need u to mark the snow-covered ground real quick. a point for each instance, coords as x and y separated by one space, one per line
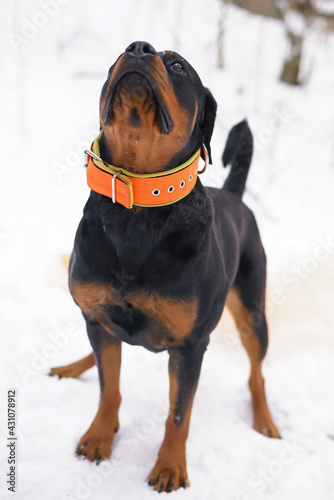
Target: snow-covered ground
49 97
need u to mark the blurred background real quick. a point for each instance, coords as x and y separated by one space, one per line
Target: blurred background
271 61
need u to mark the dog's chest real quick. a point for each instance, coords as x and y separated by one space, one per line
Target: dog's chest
138 317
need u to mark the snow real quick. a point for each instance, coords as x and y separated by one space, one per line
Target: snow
324 7
295 22
49 97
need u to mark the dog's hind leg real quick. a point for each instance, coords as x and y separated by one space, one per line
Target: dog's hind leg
246 301
74 370
247 324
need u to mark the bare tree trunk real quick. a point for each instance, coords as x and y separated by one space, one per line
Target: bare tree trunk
220 35
176 30
308 10
266 8
291 68
220 50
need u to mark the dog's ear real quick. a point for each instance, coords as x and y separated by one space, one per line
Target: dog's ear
210 110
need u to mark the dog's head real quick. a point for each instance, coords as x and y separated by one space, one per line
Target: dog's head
154 110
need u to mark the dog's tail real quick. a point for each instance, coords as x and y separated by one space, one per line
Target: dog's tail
238 153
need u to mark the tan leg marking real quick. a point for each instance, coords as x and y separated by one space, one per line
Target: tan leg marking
170 470
65 260
74 370
96 443
263 422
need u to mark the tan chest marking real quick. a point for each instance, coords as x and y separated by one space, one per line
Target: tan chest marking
91 297
177 315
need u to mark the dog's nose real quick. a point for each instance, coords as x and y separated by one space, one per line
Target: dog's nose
140 49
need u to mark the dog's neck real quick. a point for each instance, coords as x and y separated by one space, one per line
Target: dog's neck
146 190
141 153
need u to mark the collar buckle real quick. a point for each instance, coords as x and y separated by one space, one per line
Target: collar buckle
113 179
88 152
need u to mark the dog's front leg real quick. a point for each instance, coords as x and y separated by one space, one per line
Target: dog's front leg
96 443
170 470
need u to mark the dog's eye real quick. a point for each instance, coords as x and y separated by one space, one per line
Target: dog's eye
177 66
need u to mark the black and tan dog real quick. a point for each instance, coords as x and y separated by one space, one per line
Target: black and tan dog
156 271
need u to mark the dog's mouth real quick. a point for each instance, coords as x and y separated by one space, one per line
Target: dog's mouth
133 94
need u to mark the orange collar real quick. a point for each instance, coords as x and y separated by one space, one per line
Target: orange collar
143 190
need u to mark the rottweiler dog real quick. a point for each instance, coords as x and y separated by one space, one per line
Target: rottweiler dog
158 274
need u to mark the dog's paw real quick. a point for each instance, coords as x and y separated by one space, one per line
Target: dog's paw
64 372
74 370
168 479
268 429
94 448
95 445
